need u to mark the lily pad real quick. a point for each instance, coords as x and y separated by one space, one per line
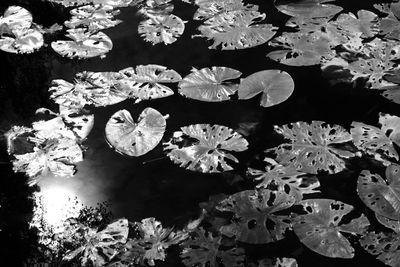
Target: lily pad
312 147
161 29
383 245
254 220
204 148
16 17
135 139
211 85
22 41
93 17
320 229
276 86
236 30
210 8
84 44
378 142
383 197
308 8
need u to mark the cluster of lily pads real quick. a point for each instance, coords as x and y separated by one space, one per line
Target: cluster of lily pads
346 46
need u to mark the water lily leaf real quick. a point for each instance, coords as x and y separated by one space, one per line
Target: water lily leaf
254 220
210 8
276 85
135 139
23 41
84 44
384 245
52 155
366 23
287 179
156 7
389 223
146 81
383 197
311 148
204 148
378 142
211 85
203 249
100 246
301 49
308 8
236 30
321 228
16 17
161 29
93 17
112 3
150 244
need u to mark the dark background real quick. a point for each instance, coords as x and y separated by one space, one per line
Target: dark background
151 185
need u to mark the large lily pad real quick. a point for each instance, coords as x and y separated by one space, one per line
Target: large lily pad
16 17
113 3
378 142
236 30
203 249
93 17
210 8
321 228
254 220
161 29
204 148
211 85
100 246
135 138
146 81
383 197
311 147
84 44
276 86
383 245
308 8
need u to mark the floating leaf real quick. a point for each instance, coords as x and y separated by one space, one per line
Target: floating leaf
203 249
156 7
93 17
366 23
161 29
389 223
385 245
22 41
112 3
204 148
311 148
308 8
210 8
276 262
84 44
211 85
254 220
383 197
286 178
150 244
16 17
320 229
146 81
135 139
99 246
276 86
236 30
378 142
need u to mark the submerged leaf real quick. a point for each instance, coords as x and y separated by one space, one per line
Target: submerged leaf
204 148
161 29
203 249
378 142
254 220
311 149
84 44
321 228
383 197
276 86
211 85
236 30
135 139
308 8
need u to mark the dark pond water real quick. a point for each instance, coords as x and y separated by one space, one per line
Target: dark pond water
152 186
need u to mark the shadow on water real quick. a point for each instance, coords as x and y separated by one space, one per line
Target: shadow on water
152 186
